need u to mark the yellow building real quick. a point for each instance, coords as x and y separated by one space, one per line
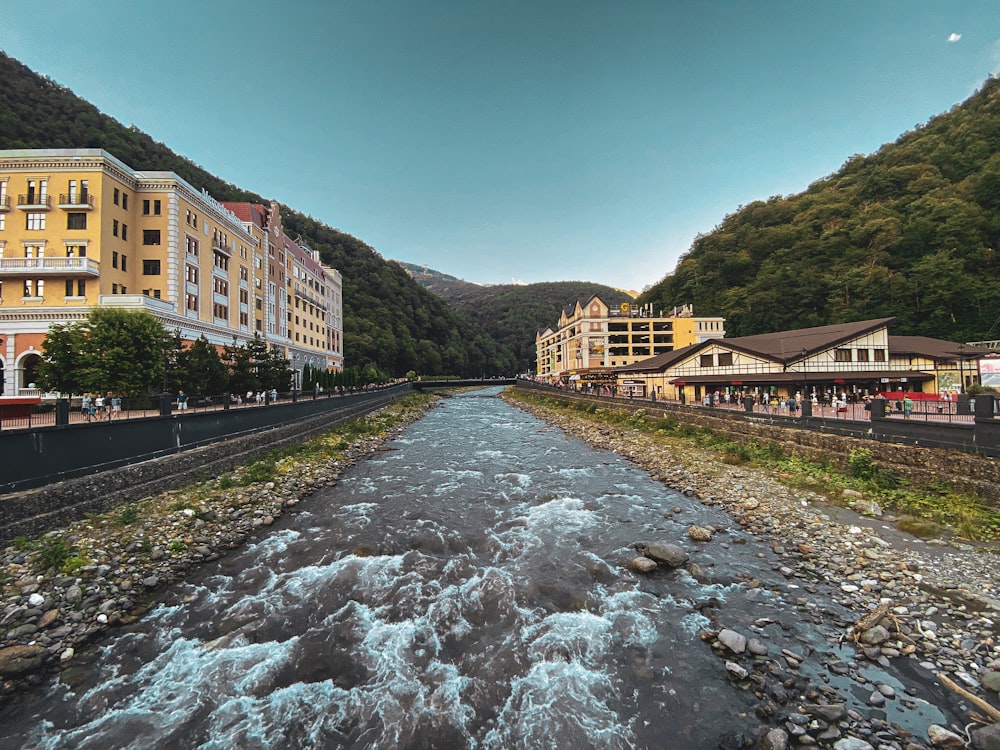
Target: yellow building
592 338
81 229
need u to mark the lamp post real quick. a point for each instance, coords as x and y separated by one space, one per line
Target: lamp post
961 369
807 404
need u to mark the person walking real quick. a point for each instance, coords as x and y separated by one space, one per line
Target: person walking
182 400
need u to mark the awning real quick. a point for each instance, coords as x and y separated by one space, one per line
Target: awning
775 378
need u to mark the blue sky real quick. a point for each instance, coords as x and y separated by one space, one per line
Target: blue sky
516 140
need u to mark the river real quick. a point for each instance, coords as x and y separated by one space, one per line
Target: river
462 589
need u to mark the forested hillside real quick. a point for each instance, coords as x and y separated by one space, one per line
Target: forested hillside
513 313
390 322
911 231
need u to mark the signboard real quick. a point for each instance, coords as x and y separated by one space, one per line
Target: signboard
989 372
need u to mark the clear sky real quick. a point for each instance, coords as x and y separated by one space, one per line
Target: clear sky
516 140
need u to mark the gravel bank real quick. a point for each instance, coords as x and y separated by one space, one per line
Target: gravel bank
941 599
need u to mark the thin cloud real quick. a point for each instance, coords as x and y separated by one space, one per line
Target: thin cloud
953 37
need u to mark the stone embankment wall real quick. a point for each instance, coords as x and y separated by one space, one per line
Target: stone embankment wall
34 512
918 465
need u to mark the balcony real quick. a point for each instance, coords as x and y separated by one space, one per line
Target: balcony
5 203
34 202
36 267
75 202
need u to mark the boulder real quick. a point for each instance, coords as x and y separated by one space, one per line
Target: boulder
732 640
19 660
941 737
668 554
991 681
700 534
641 565
986 738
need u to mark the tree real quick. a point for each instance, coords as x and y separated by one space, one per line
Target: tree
61 366
202 370
113 350
124 352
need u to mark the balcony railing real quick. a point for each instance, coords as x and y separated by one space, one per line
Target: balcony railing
34 201
5 203
76 200
49 266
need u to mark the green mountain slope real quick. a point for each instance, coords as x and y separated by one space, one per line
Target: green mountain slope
512 313
911 231
390 322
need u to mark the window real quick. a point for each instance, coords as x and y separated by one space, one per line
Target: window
80 288
244 320
145 206
842 355
114 227
125 200
191 245
146 203
244 297
114 289
34 288
725 359
114 259
116 195
191 274
220 311
124 231
220 286
150 267
2 221
192 302
706 360
879 355
861 355
156 207
150 236
221 261
34 221
124 262
76 221
76 251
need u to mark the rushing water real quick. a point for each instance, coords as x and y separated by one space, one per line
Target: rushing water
463 589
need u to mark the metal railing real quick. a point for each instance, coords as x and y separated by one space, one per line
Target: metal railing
76 199
34 199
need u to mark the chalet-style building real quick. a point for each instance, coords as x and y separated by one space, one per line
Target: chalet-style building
856 359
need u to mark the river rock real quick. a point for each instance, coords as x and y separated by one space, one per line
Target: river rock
700 534
991 681
851 743
986 738
641 565
668 554
776 739
733 641
828 712
19 660
735 671
875 636
941 737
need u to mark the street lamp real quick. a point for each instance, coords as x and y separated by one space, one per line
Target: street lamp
961 370
806 410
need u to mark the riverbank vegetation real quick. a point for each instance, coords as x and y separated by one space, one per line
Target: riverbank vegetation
927 511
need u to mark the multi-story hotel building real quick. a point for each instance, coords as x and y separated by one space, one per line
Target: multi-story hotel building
80 229
592 338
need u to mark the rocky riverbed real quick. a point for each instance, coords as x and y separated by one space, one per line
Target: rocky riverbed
934 604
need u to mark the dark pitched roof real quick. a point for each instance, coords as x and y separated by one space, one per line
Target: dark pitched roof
935 348
787 346
662 361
